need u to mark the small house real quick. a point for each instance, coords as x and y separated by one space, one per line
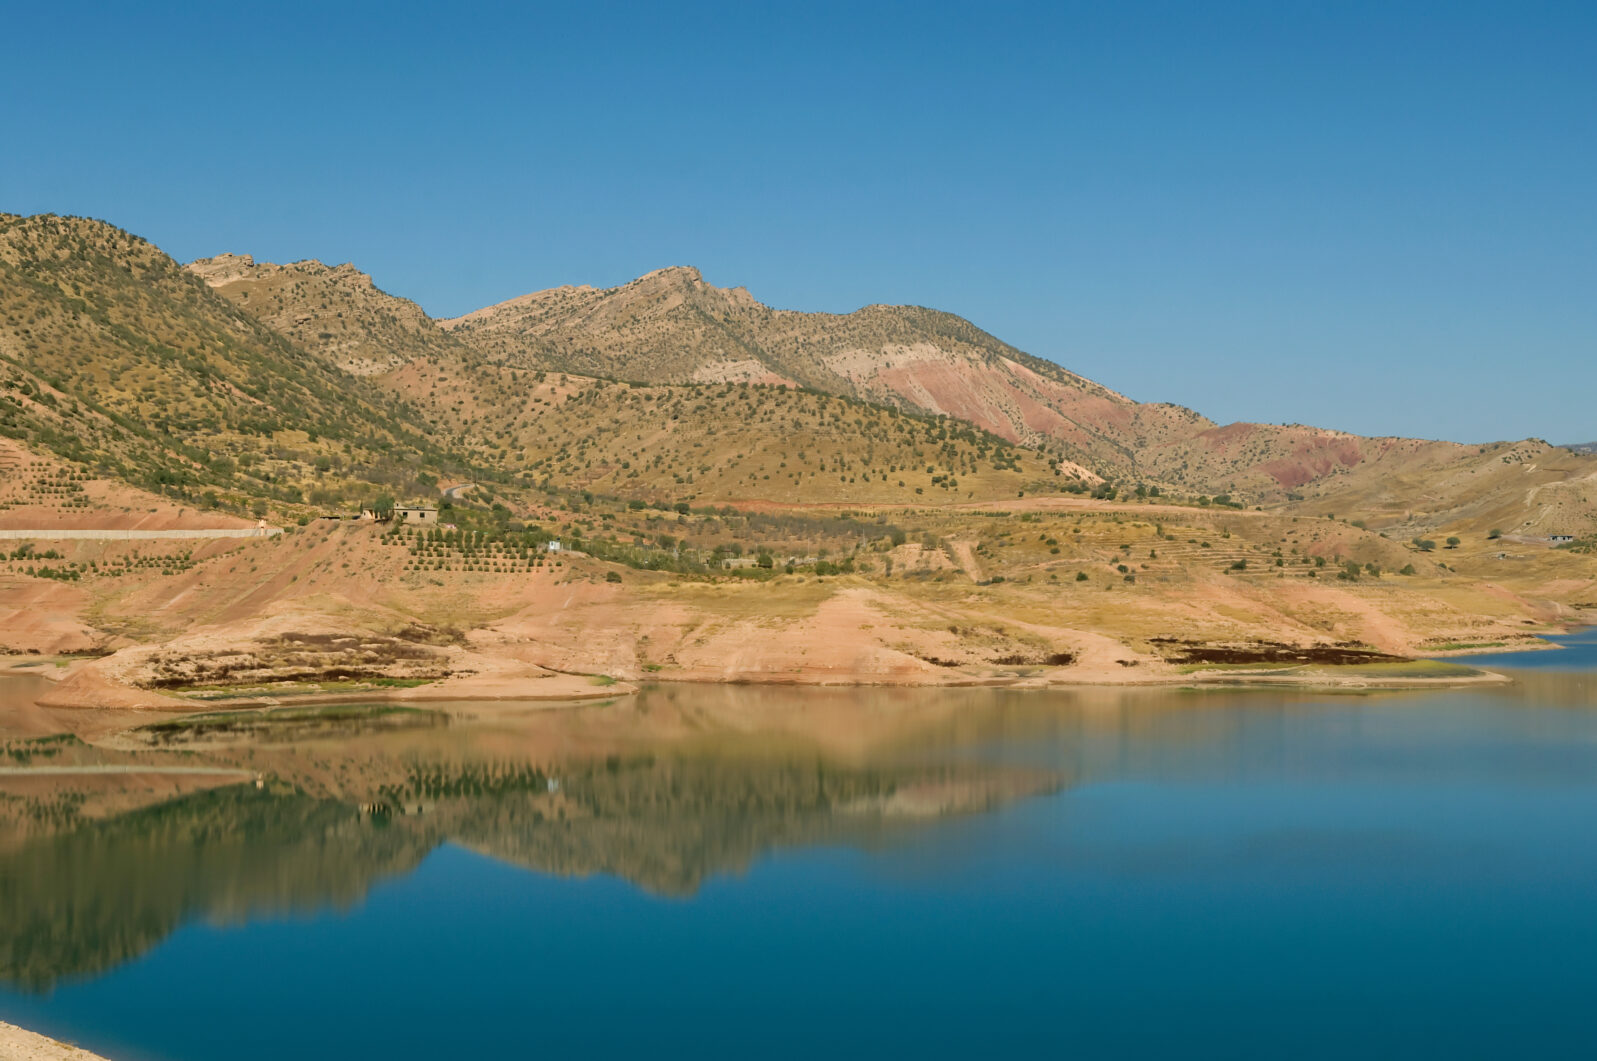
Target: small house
1558 539
553 547
428 516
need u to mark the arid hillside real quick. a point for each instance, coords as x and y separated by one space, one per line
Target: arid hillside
693 442
335 311
483 381
115 358
1508 489
792 526
726 442
670 326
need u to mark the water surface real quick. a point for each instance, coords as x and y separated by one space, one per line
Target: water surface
742 872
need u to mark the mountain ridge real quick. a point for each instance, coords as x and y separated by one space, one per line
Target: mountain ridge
671 327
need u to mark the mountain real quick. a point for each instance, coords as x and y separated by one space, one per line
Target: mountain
521 383
670 326
690 440
1582 447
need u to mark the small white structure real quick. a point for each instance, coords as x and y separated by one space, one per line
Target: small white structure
552 547
1555 538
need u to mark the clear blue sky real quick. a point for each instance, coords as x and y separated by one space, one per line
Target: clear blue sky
1379 217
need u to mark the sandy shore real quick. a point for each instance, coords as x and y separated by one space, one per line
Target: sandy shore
19 1044
83 683
569 694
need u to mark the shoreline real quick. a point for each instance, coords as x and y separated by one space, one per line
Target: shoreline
552 699
562 688
19 1044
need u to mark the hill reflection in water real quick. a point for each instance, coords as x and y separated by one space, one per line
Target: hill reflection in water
664 790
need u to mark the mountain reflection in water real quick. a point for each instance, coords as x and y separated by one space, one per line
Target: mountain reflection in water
941 873
664 790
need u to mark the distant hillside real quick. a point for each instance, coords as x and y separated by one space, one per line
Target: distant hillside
1582 447
688 441
671 326
120 360
1525 487
305 383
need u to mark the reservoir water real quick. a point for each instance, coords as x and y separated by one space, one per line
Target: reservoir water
737 872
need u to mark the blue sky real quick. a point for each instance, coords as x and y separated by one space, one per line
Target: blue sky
1378 217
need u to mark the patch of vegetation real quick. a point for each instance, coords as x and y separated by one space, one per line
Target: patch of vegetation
1345 653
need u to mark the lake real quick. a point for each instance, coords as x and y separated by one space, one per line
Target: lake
737 872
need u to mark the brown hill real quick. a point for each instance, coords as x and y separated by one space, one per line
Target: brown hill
481 379
670 326
115 358
335 311
693 441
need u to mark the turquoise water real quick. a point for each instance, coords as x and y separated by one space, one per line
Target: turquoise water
1578 652
737 873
